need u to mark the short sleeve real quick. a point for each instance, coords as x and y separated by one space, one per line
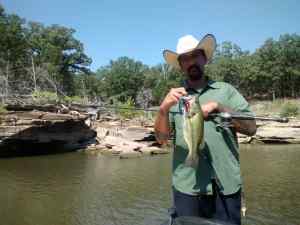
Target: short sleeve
237 102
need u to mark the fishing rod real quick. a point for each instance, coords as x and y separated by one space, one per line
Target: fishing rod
225 116
105 108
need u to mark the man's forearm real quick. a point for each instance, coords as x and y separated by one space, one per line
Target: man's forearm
247 127
161 127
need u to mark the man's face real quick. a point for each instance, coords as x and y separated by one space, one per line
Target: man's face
192 64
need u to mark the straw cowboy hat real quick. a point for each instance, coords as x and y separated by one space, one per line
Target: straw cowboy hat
188 44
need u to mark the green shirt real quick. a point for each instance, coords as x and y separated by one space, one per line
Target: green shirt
220 157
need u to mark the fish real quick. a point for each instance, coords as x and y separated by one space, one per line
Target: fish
193 129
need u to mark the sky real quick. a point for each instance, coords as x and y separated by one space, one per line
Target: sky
143 29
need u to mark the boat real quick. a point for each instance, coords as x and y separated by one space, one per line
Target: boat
192 220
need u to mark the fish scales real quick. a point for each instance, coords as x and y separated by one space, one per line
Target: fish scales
193 129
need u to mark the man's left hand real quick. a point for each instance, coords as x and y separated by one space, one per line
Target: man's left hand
247 127
209 107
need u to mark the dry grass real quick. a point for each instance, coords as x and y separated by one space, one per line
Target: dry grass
273 108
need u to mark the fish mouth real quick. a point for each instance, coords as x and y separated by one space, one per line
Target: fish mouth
186 103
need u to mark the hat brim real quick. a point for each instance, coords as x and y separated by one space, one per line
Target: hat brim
208 44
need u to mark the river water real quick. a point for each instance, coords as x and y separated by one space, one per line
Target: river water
81 189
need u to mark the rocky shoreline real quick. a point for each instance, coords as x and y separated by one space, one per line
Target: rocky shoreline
274 133
132 140
127 139
39 132
52 128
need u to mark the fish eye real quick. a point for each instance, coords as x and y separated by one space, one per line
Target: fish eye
192 114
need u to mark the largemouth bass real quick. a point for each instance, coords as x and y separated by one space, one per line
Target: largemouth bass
193 129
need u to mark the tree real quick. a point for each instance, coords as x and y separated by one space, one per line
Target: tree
168 78
56 46
122 78
13 54
279 65
226 64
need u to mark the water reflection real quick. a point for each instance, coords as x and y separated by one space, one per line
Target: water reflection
80 189
271 180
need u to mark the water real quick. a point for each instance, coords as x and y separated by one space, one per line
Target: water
272 184
81 189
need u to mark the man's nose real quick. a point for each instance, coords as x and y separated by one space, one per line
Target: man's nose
191 63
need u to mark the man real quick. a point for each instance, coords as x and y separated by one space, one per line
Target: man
213 189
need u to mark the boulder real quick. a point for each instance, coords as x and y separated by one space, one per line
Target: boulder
274 132
35 132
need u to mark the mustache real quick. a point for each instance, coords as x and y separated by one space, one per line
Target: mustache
195 72
196 67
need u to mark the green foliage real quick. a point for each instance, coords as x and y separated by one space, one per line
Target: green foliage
126 109
166 78
56 45
2 109
88 85
45 97
289 109
24 47
122 78
74 99
273 71
49 58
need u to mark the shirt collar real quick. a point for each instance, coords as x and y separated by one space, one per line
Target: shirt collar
210 84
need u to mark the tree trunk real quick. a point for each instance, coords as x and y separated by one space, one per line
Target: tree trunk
6 82
33 73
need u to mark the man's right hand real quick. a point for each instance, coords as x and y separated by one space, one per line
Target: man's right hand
161 126
172 98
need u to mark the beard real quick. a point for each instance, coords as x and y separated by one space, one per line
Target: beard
195 72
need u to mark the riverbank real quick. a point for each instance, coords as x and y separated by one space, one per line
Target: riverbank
274 133
82 127
43 129
125 139
132 139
